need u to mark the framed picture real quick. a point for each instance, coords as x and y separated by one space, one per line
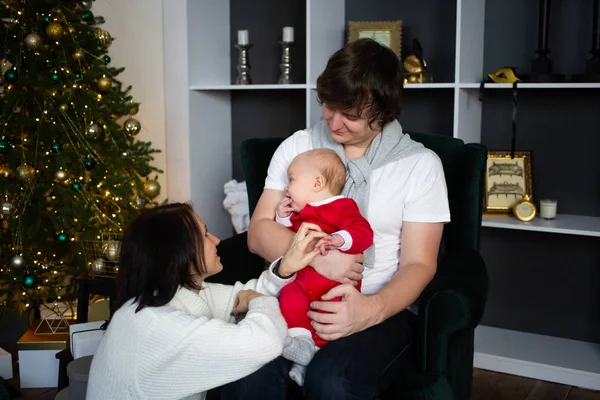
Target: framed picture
507 180
387 33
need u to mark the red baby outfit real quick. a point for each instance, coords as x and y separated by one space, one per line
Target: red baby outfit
335 215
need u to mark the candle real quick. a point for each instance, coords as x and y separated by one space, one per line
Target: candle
243 37
548 208
288 34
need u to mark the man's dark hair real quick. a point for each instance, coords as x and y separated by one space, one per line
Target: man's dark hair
363 76
162 250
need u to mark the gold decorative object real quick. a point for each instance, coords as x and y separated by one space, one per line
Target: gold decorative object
132 126
63 107
55 31
525 210
387 33
415 66
5 172
25 172
61 176
507 180
152 189
78 55
103 37
504 75
33 41
99 262
104 84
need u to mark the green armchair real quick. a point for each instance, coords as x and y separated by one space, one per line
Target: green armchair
452 304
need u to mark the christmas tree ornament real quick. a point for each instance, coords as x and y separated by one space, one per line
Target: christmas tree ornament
29 281
87 16
4 146
5 172
152 189
98 266
138 202
106 59
33 41
55 31
17 262
78 55
56 147
85 5
6 208
112 250
25 172
77 75
61 176
104 84
103 37
48 19
55 77
76 186
63 107
132 126
94 131
63 237
11 75
89 163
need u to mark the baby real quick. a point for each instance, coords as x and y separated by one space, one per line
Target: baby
316 179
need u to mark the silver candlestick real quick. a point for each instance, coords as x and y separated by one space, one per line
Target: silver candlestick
286 63
243 67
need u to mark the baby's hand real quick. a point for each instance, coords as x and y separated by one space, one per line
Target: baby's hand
331 242
284 208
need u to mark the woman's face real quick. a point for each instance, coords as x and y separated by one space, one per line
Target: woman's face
211 259
347 128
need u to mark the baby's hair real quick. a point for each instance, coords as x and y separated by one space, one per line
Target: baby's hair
331 166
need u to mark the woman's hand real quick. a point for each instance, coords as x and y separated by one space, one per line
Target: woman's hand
242 300
302 251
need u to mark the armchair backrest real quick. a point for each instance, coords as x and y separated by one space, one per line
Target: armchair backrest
464 168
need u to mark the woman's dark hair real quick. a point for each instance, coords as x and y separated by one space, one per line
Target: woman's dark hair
162 249
363 75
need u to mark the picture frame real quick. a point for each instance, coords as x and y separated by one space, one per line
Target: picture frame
387 33
507 180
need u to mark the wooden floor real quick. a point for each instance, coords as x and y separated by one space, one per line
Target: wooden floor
486 386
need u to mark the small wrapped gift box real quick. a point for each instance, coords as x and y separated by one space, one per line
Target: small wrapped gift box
38 366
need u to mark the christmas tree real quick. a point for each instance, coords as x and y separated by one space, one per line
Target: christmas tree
72 172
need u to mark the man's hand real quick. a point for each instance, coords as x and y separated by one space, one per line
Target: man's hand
284 208
331 242
354 313
340 267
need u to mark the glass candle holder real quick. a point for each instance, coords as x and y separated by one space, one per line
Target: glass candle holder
548 208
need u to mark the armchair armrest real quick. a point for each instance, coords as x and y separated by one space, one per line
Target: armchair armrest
454 301
239 264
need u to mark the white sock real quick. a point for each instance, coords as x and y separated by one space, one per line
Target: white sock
299 349
297 373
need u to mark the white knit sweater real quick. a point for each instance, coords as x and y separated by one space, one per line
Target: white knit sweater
192 344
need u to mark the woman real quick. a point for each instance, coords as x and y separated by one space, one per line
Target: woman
176 336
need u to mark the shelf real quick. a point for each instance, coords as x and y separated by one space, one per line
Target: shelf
564 223
566 85
445 85
248 87
535 356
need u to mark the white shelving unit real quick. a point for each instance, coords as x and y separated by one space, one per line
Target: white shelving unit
198 92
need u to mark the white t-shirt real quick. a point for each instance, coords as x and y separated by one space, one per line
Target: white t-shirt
411 189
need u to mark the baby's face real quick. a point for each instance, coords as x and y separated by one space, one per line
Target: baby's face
301 177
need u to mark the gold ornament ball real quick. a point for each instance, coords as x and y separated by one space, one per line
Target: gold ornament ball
93 131
104 84
98 266
55 31
151 189
412 79
5 172
138 202
132 126
25 172
63 107
60 176
78 55
103 37
33 41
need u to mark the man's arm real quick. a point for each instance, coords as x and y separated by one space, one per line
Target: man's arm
418 264
266 237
